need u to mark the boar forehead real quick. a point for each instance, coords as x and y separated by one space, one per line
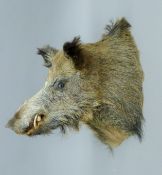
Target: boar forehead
61 66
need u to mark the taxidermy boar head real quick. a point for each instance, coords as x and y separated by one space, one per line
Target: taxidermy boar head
98 84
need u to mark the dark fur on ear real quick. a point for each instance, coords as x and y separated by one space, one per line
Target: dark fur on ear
72 49
47 52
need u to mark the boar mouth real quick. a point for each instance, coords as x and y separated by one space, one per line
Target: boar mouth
40 124
34 124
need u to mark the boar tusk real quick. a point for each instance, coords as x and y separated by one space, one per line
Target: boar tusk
36 120
39 118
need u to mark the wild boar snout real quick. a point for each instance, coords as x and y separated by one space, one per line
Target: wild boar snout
29 117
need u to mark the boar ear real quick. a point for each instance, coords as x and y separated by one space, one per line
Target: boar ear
73 50
47 53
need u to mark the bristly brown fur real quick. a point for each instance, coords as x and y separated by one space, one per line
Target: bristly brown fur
99 84
117 27
46 52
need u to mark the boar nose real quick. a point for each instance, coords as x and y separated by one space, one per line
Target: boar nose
25 121
16 123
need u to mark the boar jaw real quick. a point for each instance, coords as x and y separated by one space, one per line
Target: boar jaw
29 116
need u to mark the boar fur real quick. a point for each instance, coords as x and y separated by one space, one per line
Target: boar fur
98 84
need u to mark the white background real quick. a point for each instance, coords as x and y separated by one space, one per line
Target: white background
28 24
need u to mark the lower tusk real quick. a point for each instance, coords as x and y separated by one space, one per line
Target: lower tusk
37 119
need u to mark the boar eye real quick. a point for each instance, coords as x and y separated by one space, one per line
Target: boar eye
61 85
